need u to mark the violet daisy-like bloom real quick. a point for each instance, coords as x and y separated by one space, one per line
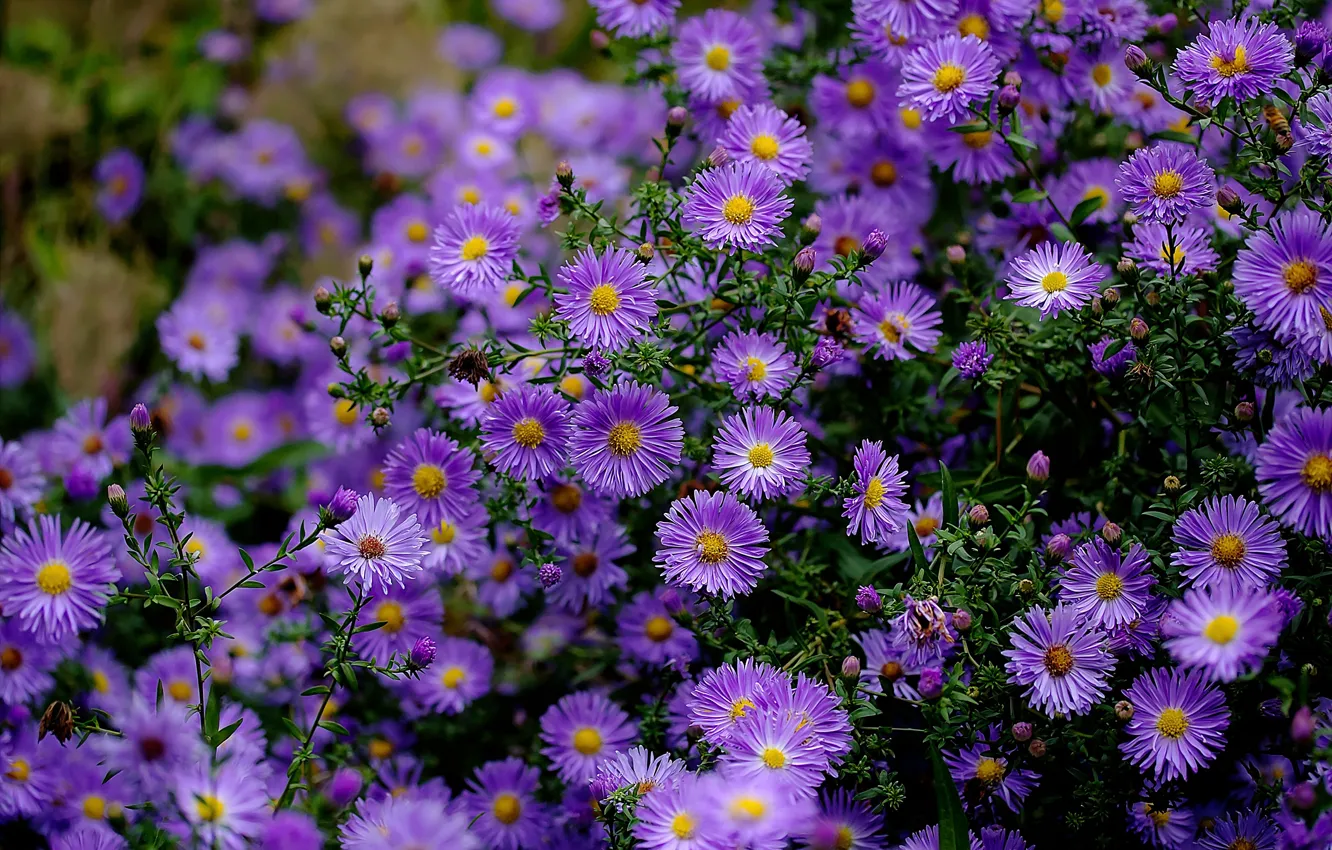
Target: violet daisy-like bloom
56 583
639 769
740 204
1241 830
500 801
222 806
649 634
819 712
761 453
431 476
712 542
1165 827
984 776
1286 361
906 17
1178 723
581 730
634 18
1107 587
591 575
1227 542
1060 658
885 662
196 341
17 350
1055 276
763 134
1285 276
376 546
758 810
1185 249
526 432
946 76
609 300
474 249
718 55
678 818
157 743
1240 59
898 322
1166 183
120 178
775 744
21 483
1294 470
408 614
843 821
627 440
729 692
876 512
1114 365
25 664
756 365
460 673
1226 633
1317 134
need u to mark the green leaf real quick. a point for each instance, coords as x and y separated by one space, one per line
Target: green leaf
818 610
1020 141
1113 348
1030 196
949 497
1176 136
953 832
1086 208
1062 232
220 737
917 551
334 727
212 710
969 128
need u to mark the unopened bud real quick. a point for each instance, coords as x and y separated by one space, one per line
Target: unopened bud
344 786
979 515
115 496
423 653
1172 484
1009 98
379 417
1026 586
1229 200
1036 748
1310 38
1058 547
1135 59
339 509
323 300
1138 329
956 254
1124 710
550 575
390 315
851 667
931 683
1022 731
674 604
598 39
803 264
1097 305
719 157
1244 411
365 264
1129 218
1111 533
645 252
335 390
1166 24
1302 726
1038 467
338 346
810 228
140 420
962 620
1128 271
1303 796
564 174
676 118
1110 296
868 599
1153 298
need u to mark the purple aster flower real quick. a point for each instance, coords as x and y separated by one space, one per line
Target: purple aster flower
474 249
525 432
25 664
593 575
923 633
1087 179
429 475
712 542
827 351
469 47
1317 134
1240 59
55 583
1227 542
408 614
1060 659
84 436
581 730
972 359
740 204
718 55
635 18
975 158
1294 470
776 745
759 810
729 692
1178 723
1114 365
222 806
1181 250
157 744
843 821
1286 363
626 440
1286 275
761 453
649 634
639 769
196 342
1055 276
459 675
456 542
404 820
1166 827
1226 632
819 712
500 801
765 135
678 818
30 774
907 17
1241 830
120 177
1105 587
565 509
876 511
423 653
885 662
504 586
16 349
946 76
860 102
376 545
984 777
1098 77
21 483
1166 183
609 301
898 322
756 365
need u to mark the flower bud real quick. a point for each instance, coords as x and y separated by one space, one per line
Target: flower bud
1111 533
1303 796
1138 329
1153 298
1110 296
646 252
338 346
676 118
868 599
1022 731
58 720
365 264
1128 270
423 653
670 598
810 228
141 424
1036 748
1172 484
1038 467
826 352
323 300
80 483
962 620
1009 98
875 244
851 667
1014 79
1058 547
390 315
1124 710
1229 200
931 683
115 496
1136 60
1244 411
602 786
595 364
339 509
343 787
719 157
979 515
803 264
956 254
1026 586
564 174
1166 24
1302 726
1129 218
550 575
598 39
335 390
379 417
1310 38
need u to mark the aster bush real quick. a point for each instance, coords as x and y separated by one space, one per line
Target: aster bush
634 424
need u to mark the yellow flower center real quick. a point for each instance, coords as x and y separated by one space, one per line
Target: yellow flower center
658 628
1168 184
345 412
380 748
195 341
603 299
949 77
1058 660
444 533
501 569
845 838
1300 276
94 807
1174 258
1101 74
587 741
19 770
179 690
452 677
242 431
1099 193
371 547
487 391
989 771
1052 10
1222 629
683 826
1172 723
738 209
624 439
101 683
748 808
1109 587
470 195
925 526
566 498
390 614
890 331
54 578
712 548
573 385
417 231
974 24
1228 550
506 808
774 758
1054 282
196 548
209 808
718 58
757 370
739 707
528 433
860 93
911 118
585 563
429 481
874 493
504 107
1159 817
1317 473
760 456
484 148
883 174
764 147
978 141
475 248
1230 67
